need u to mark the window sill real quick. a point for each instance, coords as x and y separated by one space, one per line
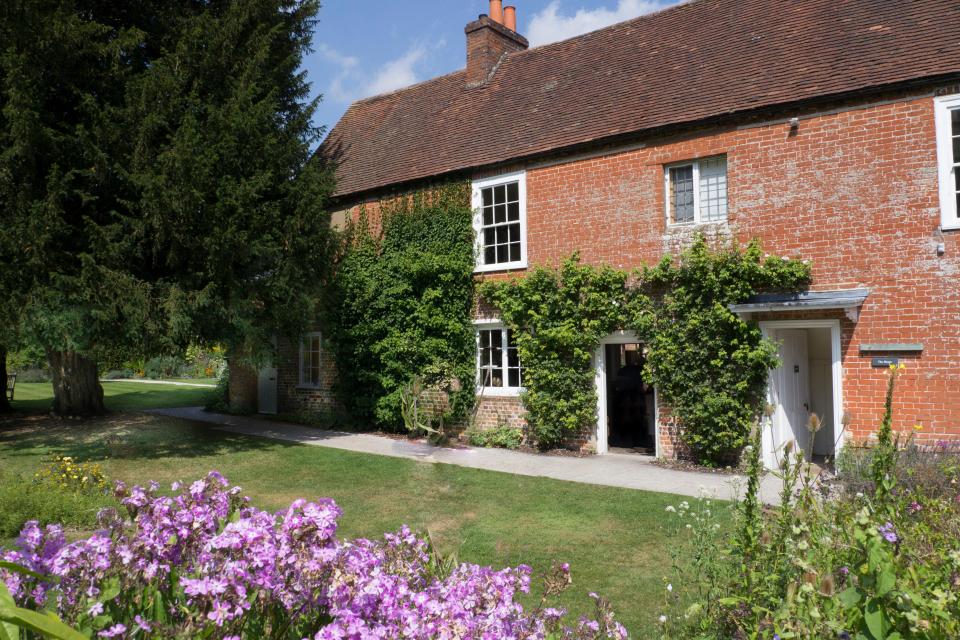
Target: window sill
505 266
950 227
690 225
500 392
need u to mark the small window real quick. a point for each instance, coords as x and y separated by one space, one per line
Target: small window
948 153
498 363
310 361
500 222
697 191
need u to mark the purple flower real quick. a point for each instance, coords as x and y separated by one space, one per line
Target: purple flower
888 532
914 508
113 632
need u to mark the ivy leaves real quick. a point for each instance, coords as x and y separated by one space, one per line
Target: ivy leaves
708 365
559 317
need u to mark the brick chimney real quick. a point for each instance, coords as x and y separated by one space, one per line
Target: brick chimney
489 40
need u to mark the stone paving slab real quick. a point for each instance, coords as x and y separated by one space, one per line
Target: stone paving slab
612 470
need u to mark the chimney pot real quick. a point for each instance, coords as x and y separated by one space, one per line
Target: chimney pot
510 18
496 11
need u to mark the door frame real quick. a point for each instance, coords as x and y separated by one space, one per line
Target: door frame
600 382
767 327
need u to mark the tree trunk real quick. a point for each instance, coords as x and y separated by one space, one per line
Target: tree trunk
4 403
76 386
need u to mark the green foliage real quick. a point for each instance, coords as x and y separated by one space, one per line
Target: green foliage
559 317
24 499
401 305
501 437
17 622
832 561
164 367
156 175
707 364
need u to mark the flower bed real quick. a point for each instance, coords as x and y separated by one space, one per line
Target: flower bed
204 563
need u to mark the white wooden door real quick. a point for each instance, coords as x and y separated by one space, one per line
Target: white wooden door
267 390
790 393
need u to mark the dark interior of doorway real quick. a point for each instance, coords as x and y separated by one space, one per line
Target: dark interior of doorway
630 401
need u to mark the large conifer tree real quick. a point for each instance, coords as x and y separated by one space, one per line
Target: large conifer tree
155 175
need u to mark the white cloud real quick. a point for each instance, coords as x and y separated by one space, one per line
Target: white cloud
551 24
396 74
350 81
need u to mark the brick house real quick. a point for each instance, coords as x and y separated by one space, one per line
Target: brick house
828 129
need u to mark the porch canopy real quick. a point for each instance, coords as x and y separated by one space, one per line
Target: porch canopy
849 300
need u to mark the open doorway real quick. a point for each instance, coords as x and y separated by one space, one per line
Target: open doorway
629 403
805 390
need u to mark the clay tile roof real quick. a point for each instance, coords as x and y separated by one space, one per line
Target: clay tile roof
692 62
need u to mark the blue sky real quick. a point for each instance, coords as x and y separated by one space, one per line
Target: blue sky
367 47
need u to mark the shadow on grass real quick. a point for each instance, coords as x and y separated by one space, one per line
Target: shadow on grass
121 436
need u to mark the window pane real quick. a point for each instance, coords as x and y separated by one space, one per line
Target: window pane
514 233
513 192
502 237
515 252
513 378
489 236
956 150
499 194
490 255
955 118
487 216
487 197
681 193
503 253
513 211
713 189
501 213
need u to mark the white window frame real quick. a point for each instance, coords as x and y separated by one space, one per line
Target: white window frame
946 163
306 384
667 197
519 177
503 392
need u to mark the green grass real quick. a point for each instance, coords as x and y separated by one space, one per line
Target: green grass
616 540
210 381
118 396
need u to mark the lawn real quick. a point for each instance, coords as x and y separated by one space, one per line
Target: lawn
118 396
616 540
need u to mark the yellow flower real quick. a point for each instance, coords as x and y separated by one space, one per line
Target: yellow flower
902 366
918 427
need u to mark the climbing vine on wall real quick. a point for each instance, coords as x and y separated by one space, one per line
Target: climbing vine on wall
401 305
710 366
558 317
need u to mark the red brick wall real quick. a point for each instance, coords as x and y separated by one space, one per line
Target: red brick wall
854 191
296 400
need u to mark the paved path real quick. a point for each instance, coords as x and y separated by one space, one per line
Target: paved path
169 382
614 470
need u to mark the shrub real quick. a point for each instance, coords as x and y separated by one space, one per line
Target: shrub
502 437
204 563
164 367
33 375
118 374
830 562
65 473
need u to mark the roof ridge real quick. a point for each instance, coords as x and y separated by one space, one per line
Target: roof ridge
516 54
409 87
